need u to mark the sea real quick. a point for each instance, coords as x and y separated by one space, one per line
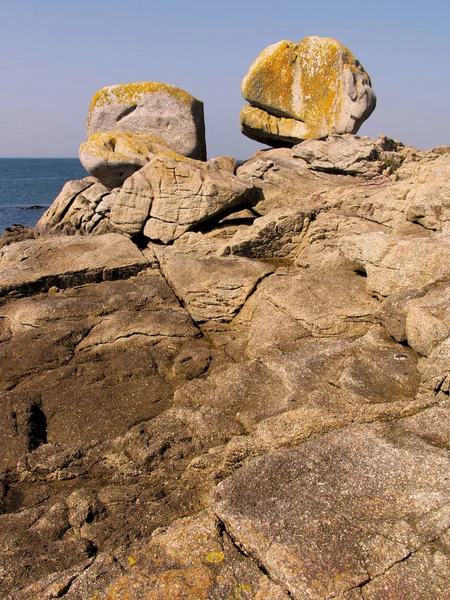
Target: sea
28 187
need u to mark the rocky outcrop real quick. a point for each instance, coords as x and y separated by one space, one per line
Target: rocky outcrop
305 91
171 196
243 392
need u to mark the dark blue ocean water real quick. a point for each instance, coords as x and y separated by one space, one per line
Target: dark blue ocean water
27 183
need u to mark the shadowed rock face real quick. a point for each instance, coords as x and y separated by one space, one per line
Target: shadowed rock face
232 386
305 91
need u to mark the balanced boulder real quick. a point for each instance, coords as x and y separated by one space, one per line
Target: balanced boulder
129 123
151 108
305 91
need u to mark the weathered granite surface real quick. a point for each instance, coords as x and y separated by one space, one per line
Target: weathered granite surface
244 394
305 91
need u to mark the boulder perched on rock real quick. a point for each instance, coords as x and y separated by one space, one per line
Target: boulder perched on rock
129 123
113 156
150 108
305 91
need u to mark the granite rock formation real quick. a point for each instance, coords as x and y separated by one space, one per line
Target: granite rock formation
129 123
231 382
305 91
239 387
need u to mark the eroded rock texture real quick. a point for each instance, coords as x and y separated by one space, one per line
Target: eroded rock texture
245 394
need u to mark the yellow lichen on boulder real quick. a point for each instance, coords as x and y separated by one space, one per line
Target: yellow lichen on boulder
317 82
129 93
270 81
151 108
113 156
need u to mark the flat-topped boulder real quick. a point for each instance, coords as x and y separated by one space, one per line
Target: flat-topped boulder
151 108
305 91
34 266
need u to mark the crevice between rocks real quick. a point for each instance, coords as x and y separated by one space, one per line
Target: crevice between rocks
222 530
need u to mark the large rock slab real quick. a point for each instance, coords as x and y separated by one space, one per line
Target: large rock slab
370 375
305 91
114 341
394 263
37 265
151 108
173 194
288 307
338 512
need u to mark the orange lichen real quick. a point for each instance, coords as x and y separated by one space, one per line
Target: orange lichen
270 80
130 93
306 82
320 81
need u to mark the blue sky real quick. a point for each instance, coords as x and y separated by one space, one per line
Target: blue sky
54 55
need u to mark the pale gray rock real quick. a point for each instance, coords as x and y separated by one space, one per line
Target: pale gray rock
35 266
150 108
340 511
75 210
351 155
393 263
170 196
429 206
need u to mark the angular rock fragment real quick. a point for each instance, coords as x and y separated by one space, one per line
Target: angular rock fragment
274 235
348 154
394 263
305 91
76 210
213 289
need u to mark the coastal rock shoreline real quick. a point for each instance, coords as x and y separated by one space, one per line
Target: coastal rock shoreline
225 381
191 416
